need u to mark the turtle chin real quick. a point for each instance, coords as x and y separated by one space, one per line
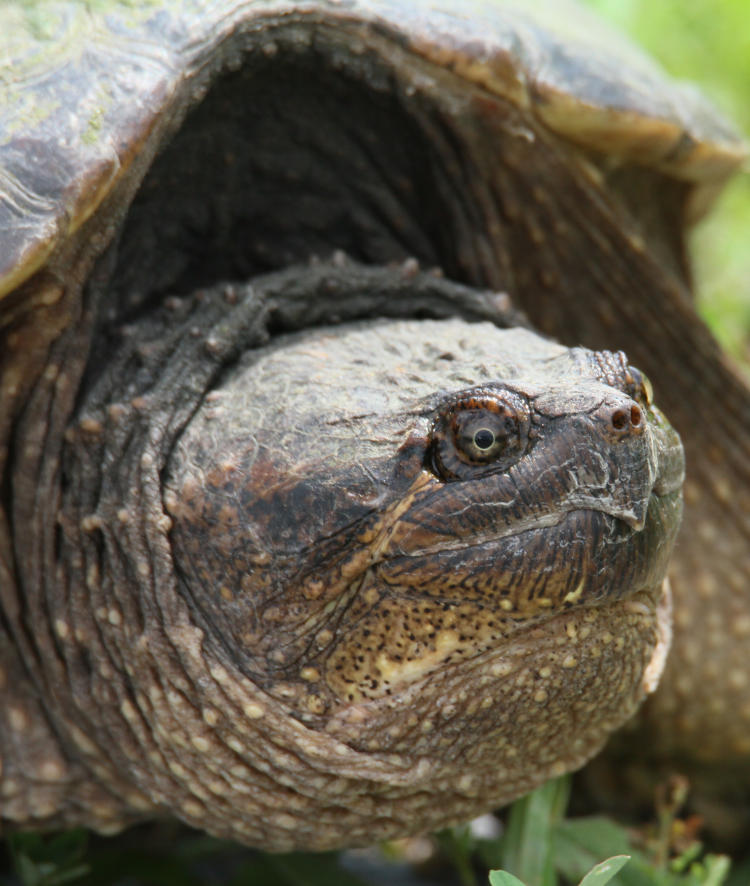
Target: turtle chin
486 729
491 698
484 722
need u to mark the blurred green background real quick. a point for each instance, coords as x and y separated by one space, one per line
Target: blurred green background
708 42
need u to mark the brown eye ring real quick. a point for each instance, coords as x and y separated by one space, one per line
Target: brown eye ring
480 432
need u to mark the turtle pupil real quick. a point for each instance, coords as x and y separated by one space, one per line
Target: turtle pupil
484 438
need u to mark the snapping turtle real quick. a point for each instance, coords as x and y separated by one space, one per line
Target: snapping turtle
311 552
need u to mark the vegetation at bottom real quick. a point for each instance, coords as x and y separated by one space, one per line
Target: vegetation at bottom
538 846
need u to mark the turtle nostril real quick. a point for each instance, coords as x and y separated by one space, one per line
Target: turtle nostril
623 419
619 419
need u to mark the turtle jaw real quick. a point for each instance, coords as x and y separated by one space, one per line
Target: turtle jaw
589 547
525 700
414 616
494 726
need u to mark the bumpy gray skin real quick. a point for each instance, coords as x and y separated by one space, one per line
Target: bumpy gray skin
276 616
219 151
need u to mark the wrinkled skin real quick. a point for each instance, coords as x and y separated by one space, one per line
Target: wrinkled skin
347 596
193 584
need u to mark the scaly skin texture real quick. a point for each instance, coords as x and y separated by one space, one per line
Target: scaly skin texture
385 649
120 678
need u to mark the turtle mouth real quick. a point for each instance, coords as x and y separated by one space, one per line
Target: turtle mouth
580 556
625 523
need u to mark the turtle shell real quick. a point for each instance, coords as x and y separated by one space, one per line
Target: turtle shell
93 92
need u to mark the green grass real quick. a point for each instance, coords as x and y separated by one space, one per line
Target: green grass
539 846
542 847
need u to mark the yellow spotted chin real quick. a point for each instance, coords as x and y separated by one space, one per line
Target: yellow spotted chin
396 672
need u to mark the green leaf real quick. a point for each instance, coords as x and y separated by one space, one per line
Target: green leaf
49 861
604 871
739 874
580 843
503 878
527 847
716 870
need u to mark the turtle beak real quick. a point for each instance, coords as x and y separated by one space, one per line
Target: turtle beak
652 464
634 517
624 455
670 473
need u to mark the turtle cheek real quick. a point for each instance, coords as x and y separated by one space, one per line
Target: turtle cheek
270 542
261 550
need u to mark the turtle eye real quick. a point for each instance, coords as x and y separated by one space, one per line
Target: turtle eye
480 433
639 387
484 439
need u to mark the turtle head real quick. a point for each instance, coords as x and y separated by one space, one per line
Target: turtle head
435 538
